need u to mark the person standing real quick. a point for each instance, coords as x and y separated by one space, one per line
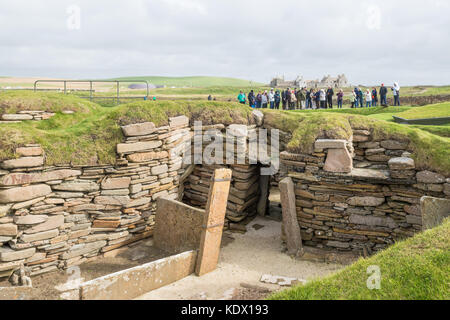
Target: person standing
323 99
383 94
317 99
354 99
340 99
264 100
258 100
251 99
288 98
277 100
308 99
241 98
330 94
361 98
356 92
272 99
283 99
374 97
368 98
396 90
302 97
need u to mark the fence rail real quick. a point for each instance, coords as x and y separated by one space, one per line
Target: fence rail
90 90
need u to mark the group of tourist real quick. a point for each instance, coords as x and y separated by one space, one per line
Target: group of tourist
317 99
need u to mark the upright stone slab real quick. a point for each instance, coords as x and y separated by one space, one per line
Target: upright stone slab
290 223
214 218
339 161
434 211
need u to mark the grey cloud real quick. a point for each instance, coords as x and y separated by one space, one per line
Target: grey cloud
250 39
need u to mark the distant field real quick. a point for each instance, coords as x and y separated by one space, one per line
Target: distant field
199 81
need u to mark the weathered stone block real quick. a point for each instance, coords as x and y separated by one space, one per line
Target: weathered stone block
52 222
138 146
180 121
17 117
434 211
394 144
373 221
258 116
429 177
8 255
147 156
139 129
116 183
30 219
39 236
338 160
77 186
401 163
8 229
159 169
29 151
21 194
330 144
24 162
112 200
17 178
365 201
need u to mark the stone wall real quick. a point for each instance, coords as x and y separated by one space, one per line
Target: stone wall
28 115
56 217
360 195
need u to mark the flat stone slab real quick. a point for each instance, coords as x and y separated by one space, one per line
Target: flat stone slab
24 162
77 186
369 174
116 183
434 211
53 222
139 129
29 151
17 117
339 161
280 280
134 282
8 255
179 121
365 201
401 163
138 146
21 194
330 144
30 219
18 178
429 177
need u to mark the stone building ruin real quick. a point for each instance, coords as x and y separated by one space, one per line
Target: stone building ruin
327 81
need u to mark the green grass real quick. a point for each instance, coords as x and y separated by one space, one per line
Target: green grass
196 81
430 151
414 269
91 133
15 101
430 111
87 138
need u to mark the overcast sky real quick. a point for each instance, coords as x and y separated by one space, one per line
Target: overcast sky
369 41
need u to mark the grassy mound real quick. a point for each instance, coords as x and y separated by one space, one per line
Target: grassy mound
15 101
83 139
430 111
430 151
415 269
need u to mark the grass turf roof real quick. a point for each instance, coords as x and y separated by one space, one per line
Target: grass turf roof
417 268
429 151
24 100
88 138
91 135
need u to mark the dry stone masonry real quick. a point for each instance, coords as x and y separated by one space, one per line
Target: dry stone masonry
28 115
60 216
360 195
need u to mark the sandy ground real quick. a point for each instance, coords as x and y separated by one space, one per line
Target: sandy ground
242 262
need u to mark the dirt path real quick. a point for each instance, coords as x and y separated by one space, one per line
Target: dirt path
241 264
